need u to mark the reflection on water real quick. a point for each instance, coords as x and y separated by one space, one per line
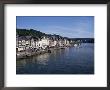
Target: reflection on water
72 60
42 59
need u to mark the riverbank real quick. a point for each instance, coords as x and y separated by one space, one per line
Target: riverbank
30 53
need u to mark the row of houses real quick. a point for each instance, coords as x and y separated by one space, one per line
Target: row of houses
30 42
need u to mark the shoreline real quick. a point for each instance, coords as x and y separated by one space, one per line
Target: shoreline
31 53
26 54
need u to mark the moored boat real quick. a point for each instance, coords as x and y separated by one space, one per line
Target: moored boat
75 45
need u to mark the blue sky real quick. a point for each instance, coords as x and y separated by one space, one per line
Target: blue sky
67 26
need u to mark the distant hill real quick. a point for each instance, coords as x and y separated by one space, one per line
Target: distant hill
84 40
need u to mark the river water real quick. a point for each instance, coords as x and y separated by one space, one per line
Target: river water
71 60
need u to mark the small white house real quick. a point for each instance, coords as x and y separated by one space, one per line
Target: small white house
20 43
34 42
44 43
61 42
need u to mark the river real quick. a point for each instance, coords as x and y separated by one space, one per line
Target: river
71 60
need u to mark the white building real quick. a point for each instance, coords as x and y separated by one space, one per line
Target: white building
34 42
20 43
55 42
66 42
44 43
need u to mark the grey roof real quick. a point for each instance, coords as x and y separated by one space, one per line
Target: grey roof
27 38
35 38
22 38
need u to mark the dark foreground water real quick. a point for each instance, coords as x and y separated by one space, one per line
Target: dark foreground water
72 60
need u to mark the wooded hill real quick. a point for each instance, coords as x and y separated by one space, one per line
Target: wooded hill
36 33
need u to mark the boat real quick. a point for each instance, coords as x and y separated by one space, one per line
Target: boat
75 45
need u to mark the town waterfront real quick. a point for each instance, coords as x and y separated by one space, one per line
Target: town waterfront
70 60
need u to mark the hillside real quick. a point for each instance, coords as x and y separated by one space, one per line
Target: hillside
31 32
36 33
